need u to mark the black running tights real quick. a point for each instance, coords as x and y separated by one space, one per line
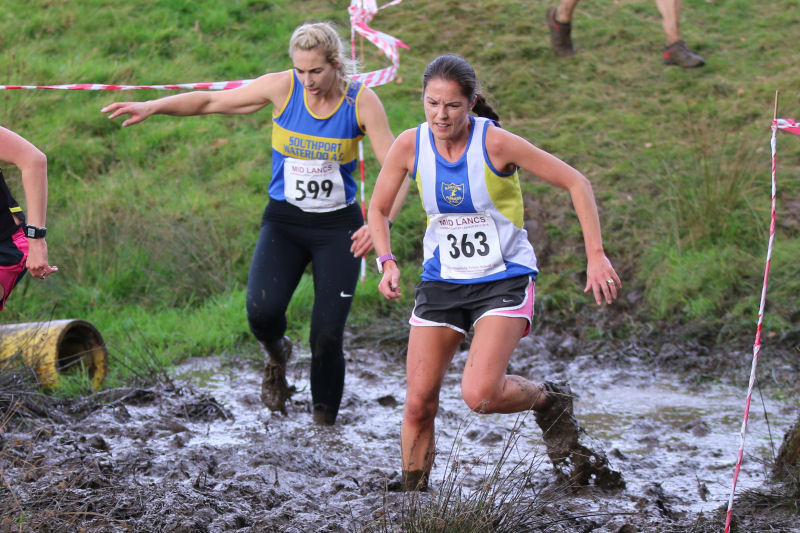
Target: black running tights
281 255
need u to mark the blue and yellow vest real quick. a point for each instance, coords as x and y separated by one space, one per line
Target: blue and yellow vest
299 133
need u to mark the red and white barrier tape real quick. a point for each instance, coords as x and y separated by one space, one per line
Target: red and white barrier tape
361 12
214 85
792 127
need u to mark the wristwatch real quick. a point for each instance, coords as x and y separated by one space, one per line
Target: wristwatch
382 259
34 232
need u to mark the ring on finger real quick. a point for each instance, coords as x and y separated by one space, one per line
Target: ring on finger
611 281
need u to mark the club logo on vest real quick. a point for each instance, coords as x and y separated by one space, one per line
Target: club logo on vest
453 193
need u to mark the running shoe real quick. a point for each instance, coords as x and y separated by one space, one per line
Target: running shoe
560 35
678 53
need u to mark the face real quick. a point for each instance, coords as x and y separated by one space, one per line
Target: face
317 75
446 109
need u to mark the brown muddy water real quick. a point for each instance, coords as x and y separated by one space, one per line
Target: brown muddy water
203 455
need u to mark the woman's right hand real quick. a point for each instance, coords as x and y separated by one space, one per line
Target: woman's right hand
138 111
390 283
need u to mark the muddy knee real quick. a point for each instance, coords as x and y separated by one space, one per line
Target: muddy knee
419 412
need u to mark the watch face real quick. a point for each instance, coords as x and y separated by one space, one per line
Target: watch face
33 232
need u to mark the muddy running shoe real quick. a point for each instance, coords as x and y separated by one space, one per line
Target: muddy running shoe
274 389
574 463
560 430
560 35
414 480
678 53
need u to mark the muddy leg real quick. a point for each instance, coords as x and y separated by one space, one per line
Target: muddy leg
485 385
430 350
274 388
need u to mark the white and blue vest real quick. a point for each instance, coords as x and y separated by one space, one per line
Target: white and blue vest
468 191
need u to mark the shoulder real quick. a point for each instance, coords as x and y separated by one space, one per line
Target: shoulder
368 101
498 140
407 140
17 150
506 150
274 84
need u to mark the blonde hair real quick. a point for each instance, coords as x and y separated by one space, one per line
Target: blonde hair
322 36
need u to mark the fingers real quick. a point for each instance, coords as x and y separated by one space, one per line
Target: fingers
361 248
362 242
44 271
124 108
115 109
607 289
390 285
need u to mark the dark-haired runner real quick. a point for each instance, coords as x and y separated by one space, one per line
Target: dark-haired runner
479 267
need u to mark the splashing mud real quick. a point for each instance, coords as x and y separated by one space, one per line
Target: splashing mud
202 454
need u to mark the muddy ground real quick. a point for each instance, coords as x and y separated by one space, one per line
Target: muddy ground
198 452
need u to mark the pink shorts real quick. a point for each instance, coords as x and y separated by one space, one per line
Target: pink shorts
13 254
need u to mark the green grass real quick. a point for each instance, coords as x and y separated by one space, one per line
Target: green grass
153 226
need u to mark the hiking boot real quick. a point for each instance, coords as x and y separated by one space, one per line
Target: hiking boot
274 389
678 53
560 430
560 35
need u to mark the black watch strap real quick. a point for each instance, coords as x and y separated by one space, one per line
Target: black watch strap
34 232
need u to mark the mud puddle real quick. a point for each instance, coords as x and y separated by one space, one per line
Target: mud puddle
204 455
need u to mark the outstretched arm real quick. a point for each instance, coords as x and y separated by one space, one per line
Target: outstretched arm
32 164
507 149
250 98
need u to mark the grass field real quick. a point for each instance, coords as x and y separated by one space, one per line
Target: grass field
153 226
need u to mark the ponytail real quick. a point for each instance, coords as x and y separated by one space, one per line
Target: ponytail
482 108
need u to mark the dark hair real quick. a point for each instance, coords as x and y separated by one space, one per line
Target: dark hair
457 69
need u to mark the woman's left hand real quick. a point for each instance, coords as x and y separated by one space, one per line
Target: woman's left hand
602 280
362 242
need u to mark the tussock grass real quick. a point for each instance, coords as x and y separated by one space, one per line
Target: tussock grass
491 493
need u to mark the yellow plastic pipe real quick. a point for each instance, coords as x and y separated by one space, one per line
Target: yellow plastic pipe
56 347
